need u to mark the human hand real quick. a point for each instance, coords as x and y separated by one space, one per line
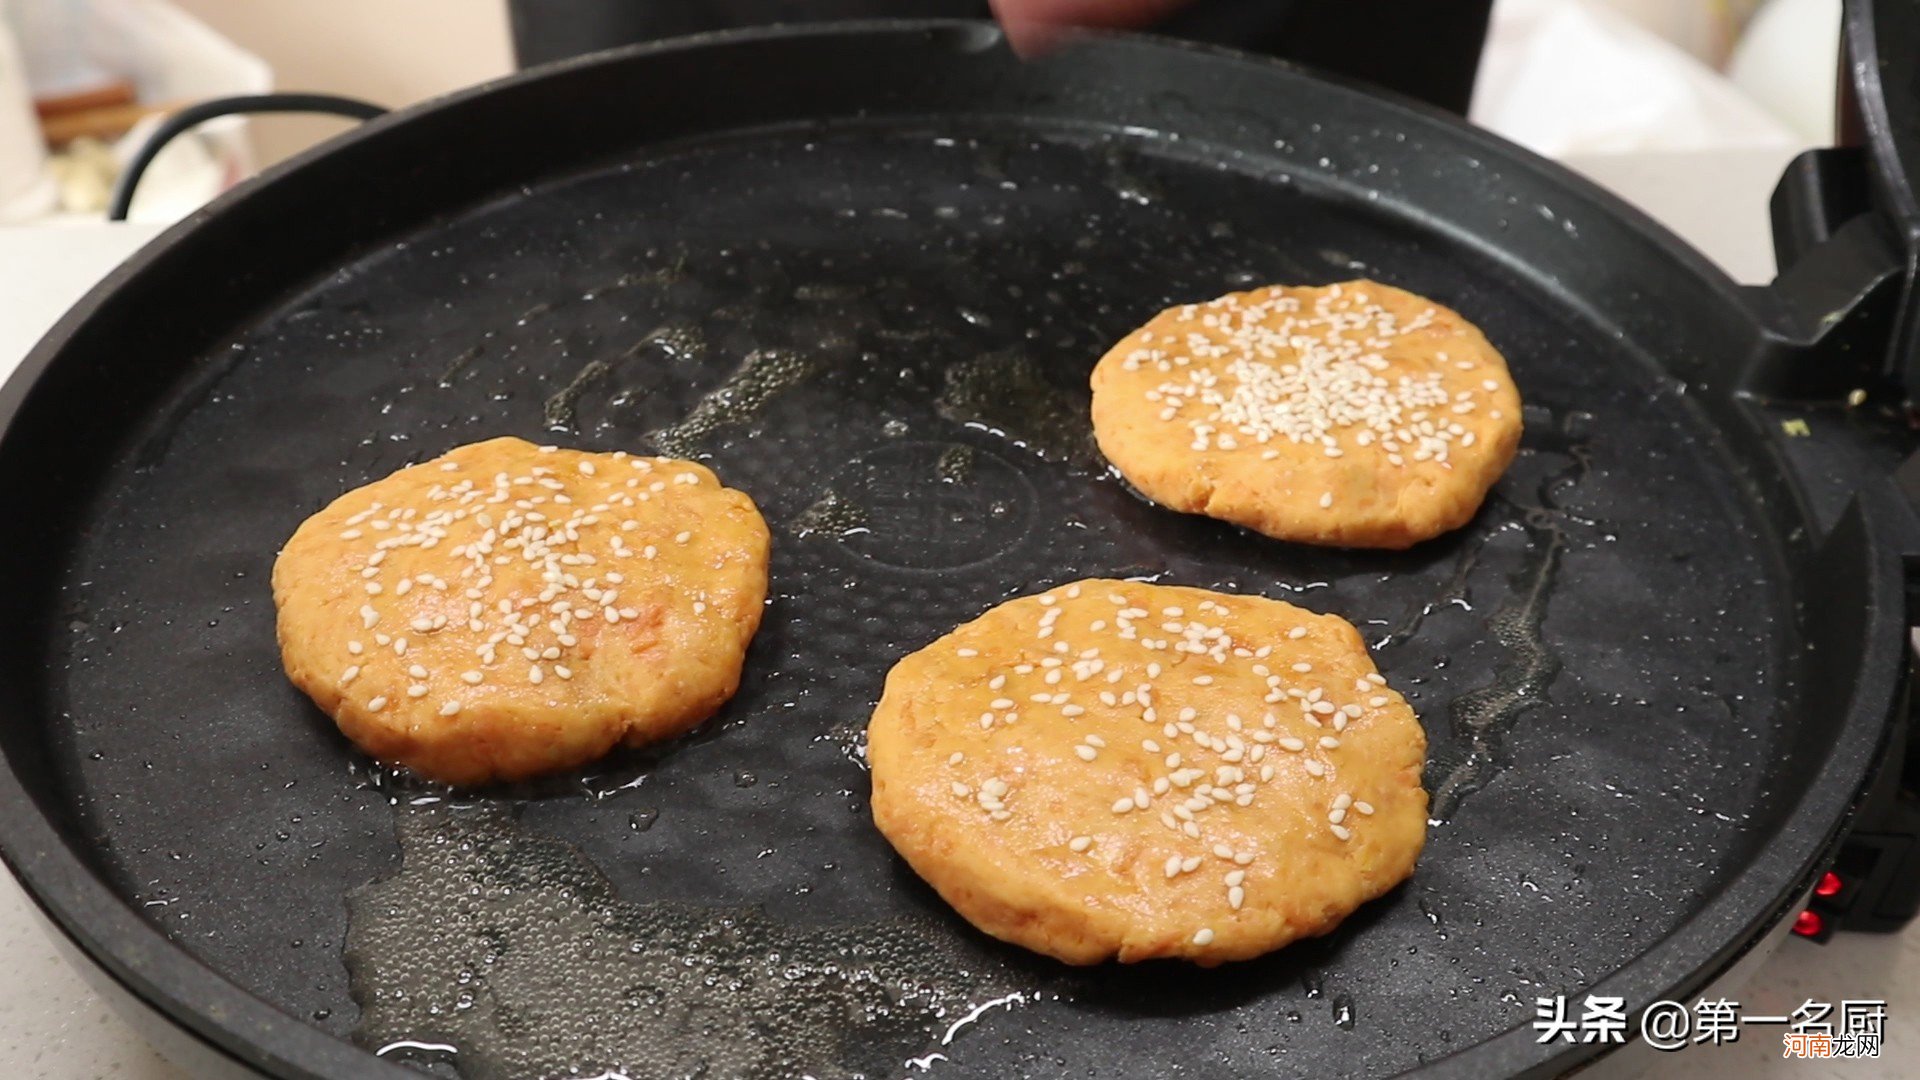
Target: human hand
1034 26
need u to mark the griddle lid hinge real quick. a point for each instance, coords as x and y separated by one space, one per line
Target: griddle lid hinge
1844 312
1827 317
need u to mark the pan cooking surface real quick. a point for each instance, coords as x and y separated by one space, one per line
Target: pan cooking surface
883 335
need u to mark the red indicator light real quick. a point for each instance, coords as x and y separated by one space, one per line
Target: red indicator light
1809 924
1830 885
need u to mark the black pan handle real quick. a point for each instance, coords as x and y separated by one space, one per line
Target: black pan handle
194 115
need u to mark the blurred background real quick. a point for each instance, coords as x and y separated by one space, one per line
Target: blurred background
1602 85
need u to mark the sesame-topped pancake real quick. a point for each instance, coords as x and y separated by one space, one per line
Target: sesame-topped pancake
1117 770
506 610
1356 415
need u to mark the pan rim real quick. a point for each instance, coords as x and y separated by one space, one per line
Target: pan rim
138 956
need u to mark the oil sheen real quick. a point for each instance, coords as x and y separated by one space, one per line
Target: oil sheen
509 956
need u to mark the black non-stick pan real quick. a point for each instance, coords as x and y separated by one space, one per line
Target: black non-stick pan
864 272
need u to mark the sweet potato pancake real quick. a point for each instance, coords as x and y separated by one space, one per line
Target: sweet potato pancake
1356 415
506 610
1121 770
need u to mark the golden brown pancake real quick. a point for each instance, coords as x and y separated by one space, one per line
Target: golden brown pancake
1356 415
1120 770
506 610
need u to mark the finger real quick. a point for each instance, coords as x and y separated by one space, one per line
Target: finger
1034 26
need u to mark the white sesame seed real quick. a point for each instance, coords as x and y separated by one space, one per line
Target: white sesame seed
1085 753
1365 809
449 708
352 672
1121 806
534 674
1236 877
1341 831
376 704
417 690
1236 896
1204 936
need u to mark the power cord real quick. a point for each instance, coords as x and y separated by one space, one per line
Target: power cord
194 115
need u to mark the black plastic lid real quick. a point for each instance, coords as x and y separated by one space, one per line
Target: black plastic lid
1881 45
1880 113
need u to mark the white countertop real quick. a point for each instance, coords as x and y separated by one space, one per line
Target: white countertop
53 1026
